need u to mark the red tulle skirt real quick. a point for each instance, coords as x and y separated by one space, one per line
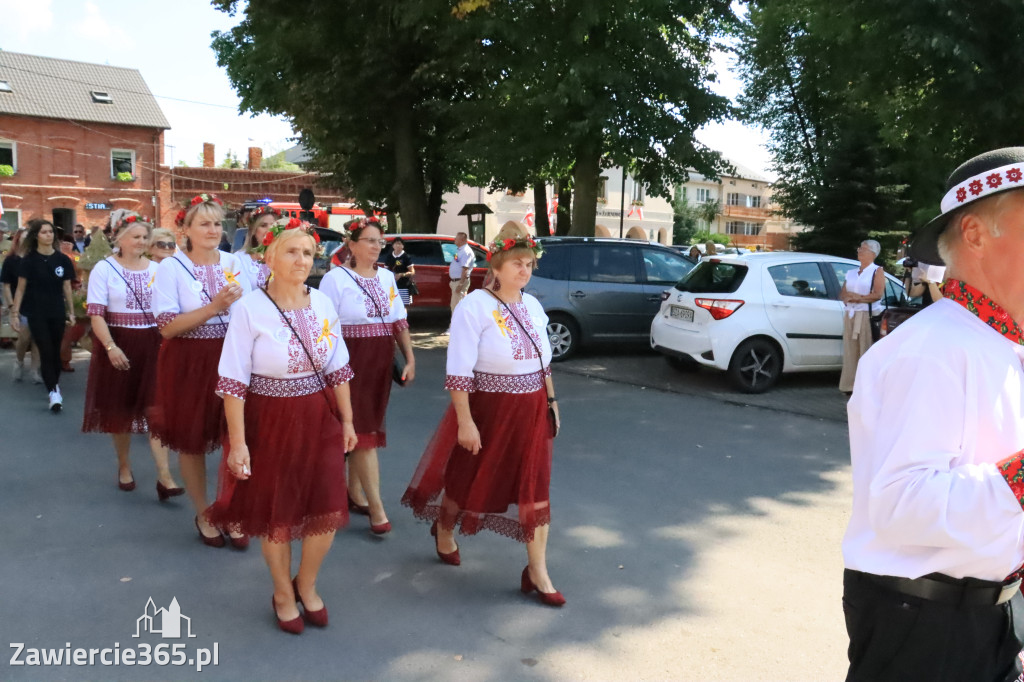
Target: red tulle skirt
187 416
512 469
371 359
297 459
117 401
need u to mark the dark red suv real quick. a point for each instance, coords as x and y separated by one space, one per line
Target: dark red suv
431 255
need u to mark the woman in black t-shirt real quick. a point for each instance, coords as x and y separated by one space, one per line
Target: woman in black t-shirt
9 282
44 298
400 263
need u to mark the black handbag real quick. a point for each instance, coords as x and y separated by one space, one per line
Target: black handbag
412 288
398 361
552 418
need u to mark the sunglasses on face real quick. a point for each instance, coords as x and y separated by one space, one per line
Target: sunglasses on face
164 245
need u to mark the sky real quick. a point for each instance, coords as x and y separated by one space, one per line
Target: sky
170 45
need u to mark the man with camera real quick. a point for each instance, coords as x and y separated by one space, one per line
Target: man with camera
935 543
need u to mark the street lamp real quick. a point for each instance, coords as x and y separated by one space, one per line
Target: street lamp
475 218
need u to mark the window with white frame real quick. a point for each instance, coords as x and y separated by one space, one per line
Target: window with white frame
638 193
9 154
602 188
742 227
734 199
12 217
122 161
753 202
703 195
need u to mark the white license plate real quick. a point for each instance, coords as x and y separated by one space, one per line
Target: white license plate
678 312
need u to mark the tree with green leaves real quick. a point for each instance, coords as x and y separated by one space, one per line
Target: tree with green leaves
577 87
864 134
369 87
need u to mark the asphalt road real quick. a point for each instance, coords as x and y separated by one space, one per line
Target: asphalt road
693 538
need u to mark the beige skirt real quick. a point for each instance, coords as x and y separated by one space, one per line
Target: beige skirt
856 341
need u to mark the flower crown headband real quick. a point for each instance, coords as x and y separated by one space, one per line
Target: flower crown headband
203 198
131 218
261 211
499 245
275 231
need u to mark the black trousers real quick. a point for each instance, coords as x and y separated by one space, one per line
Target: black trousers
48 332
894 636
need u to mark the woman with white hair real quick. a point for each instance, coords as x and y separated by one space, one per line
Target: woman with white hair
864 286
122 373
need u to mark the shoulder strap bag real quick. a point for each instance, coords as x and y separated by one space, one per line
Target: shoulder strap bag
398 362
552 421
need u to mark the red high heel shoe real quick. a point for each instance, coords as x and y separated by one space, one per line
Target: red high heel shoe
127 487
362 509
546 598
316 618
380 528
164 493
217 541
239 542
452 558
293 626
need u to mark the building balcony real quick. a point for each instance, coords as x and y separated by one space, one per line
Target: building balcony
745 212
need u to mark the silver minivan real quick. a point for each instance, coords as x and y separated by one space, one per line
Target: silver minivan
598 289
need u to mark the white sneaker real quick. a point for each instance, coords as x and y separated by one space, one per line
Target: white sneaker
56 401
19 371
37 378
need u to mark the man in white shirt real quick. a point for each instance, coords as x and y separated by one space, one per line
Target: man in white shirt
460 268
935 543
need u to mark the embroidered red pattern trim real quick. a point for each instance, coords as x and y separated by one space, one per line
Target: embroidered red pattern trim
340 376
399 325
376 293
212 278
496 383
365 331
453 382
522 349
139 281
164 319
307 326
231 387
96 309
284 388
138 320
207 331
987 310
1011 470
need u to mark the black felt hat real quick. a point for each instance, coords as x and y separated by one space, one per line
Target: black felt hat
986 174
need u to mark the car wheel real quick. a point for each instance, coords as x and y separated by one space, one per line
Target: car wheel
755 366
564 335
682 364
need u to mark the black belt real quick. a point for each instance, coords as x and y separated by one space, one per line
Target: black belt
956 593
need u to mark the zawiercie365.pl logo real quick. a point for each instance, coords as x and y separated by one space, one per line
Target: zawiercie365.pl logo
169 623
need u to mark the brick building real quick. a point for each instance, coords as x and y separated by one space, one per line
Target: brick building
77 140
235 186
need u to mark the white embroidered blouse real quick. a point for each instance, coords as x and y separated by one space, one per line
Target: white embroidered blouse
181 287
262 355
257 271
358 304
124 298
488 350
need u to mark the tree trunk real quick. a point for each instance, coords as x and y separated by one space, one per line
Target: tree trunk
540 209
412 197
585 177
564 213
435 199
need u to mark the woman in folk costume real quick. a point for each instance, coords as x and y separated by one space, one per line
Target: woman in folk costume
284 379
122 374
258 222
488 465
194 292
373 318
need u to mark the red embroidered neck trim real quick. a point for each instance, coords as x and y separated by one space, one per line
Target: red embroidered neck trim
987 310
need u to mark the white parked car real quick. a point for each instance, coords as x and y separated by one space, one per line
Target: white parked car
759 315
